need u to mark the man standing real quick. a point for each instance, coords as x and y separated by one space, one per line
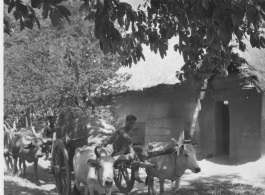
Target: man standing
47 133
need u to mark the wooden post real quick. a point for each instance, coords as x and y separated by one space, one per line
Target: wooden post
27 124
54 137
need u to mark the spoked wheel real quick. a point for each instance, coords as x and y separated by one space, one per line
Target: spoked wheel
124 177
61 168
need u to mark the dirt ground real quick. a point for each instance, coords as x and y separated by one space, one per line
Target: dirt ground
218 176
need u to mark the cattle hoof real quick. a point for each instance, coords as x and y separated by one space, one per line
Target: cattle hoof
75 190
37 182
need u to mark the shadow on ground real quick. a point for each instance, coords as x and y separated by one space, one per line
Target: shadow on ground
13 188
16 185
208 182
213 185
44 177
217 184
224 160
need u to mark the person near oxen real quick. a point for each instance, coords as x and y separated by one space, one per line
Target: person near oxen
122 140
47 132
123 136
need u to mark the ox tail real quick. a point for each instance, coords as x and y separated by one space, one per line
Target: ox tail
146 181
76 191
10 154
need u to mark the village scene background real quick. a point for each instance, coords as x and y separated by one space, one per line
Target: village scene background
69 70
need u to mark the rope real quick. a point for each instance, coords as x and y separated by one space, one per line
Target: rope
174 173
97 170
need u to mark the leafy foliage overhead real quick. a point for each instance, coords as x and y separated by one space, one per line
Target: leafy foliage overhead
50 70
204 28
27 16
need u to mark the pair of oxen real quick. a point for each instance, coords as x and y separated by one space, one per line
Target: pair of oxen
94 166
23 145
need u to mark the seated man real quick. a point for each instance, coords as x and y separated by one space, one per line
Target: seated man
123 136
122 139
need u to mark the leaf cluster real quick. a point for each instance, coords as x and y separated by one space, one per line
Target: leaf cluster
205 29
53 69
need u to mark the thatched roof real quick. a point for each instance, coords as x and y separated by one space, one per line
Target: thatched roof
256 65
154 70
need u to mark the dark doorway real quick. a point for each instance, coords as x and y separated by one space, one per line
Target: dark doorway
222 127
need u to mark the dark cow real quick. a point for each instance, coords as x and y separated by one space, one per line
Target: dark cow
7 150
172 166
28 148
9 133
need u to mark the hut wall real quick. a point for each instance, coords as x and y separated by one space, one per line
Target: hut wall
164 111
262 145
225 119
244 124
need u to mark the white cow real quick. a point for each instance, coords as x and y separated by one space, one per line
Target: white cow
172 166
93 167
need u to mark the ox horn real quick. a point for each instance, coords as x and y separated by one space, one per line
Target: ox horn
14 125
187 141
44 140
96 151
34 131
114 150
26 140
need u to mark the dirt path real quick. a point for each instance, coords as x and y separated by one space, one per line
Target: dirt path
218 176
15 185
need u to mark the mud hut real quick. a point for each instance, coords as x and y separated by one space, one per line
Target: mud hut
225 117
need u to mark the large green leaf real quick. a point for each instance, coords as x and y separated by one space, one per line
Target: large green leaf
56 17
65 12
45 12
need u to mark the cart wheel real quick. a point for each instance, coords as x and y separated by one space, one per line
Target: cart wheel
124 177
61 168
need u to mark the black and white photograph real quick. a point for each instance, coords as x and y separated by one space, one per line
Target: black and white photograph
133 97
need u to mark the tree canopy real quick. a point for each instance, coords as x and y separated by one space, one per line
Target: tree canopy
204 28
49 70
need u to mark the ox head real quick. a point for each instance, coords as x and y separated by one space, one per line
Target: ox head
11 131
34 145
104 165
187 154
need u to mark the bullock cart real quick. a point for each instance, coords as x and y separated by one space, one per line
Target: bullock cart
63 151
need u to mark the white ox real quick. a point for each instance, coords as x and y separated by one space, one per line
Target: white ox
172 166
93 167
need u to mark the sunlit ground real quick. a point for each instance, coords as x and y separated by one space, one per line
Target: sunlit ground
218 177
